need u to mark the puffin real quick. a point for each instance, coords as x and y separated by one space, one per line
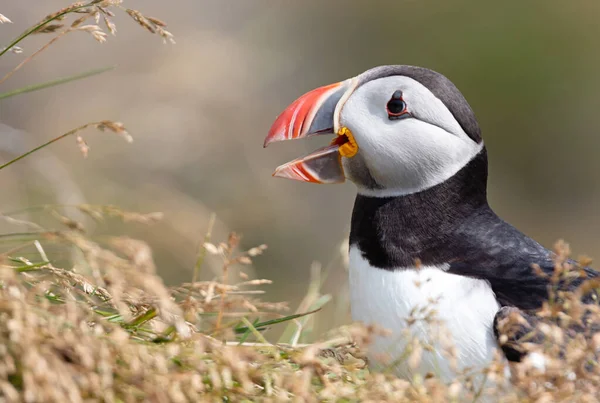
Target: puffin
422 231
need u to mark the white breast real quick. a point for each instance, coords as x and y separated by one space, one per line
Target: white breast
465 306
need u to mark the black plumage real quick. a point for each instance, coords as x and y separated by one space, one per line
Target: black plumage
452 223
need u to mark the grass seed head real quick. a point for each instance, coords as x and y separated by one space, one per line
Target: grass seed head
4 19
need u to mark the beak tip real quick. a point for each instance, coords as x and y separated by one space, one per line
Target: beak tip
269 140
283 171
287 171
275 134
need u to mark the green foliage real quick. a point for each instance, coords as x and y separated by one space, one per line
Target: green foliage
53 83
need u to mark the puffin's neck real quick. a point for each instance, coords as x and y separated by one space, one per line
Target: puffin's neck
393 232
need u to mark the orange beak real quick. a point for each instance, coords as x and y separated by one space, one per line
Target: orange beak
314 113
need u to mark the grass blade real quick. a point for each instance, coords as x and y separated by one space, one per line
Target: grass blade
30 267
17 234
248 332
241 330
317 305
255 332
143 318
52 83
112 126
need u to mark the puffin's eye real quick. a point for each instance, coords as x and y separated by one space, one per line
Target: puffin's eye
396 107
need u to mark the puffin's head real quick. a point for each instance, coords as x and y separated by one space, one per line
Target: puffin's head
400 130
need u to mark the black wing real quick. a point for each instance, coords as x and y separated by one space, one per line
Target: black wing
493 250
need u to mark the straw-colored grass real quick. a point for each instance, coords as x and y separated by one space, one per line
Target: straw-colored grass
119 334
102 326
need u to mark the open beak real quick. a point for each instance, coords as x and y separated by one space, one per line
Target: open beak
316 113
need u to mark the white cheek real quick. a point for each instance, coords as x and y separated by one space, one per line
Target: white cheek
410 155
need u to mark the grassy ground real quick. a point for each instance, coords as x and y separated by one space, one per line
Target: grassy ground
102 326
118 334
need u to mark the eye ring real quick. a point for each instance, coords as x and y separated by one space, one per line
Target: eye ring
396 107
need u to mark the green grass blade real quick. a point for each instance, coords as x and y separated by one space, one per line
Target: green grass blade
30 267
244 337
52 83
315 306
247 333
242 330
103 312
255 332
143 318
46 144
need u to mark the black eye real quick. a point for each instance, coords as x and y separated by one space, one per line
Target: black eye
396 107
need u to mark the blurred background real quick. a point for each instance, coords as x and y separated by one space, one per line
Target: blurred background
199 111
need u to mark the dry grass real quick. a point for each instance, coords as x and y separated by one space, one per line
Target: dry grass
102 326
109 329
